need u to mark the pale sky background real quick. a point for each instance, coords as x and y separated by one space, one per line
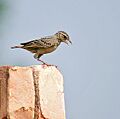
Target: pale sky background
91 66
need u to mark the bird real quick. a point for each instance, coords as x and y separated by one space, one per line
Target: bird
45 45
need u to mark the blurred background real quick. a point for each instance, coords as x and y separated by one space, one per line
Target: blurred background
91 66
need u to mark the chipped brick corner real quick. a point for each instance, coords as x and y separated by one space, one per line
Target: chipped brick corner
34 92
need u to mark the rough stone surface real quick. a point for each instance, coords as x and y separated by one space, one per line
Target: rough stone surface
51 92
34 92
21 90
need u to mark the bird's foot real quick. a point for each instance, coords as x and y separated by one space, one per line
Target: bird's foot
46 64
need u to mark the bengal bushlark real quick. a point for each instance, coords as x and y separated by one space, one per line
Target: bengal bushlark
45 45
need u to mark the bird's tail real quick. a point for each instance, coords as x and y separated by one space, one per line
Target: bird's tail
19 46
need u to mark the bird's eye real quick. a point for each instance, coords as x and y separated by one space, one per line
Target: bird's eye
65 37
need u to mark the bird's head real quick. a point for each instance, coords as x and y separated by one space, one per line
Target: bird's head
63 37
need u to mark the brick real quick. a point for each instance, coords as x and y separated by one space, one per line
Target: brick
34 92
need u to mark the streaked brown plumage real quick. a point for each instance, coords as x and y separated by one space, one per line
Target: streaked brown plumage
45 45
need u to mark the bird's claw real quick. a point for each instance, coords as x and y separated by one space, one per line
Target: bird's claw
45 64
49 65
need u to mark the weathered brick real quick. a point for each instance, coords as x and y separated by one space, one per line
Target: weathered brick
34 92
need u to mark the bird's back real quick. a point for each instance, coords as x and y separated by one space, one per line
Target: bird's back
43 45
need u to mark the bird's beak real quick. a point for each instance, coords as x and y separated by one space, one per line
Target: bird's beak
70 41
66 41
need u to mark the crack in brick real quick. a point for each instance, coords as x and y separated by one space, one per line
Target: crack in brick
37 108
4 75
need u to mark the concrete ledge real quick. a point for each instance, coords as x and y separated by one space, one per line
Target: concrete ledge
34 92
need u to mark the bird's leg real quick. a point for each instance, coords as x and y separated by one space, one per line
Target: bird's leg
37 56
44 63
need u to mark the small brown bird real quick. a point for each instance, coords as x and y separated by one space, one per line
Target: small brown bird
45 45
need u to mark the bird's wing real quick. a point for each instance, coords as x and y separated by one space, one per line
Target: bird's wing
40 43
